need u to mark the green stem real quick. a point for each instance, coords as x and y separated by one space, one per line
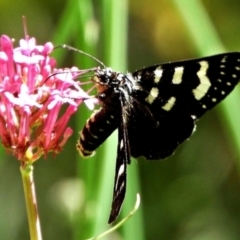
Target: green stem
31 202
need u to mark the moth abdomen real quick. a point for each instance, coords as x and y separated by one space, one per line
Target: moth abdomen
97 129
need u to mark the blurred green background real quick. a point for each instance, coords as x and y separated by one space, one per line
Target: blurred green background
195 194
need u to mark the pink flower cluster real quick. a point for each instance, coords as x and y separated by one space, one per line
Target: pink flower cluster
32 93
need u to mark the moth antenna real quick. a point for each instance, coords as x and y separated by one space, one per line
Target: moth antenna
82 52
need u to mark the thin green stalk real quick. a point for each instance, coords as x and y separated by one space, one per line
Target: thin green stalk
77 23
31 202
65 29
85 39
119 224
207 42
114 39
201 29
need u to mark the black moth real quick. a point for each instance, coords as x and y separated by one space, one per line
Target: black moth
155 109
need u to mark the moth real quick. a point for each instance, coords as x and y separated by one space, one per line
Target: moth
155 109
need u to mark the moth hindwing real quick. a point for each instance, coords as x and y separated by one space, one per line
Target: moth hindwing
155 109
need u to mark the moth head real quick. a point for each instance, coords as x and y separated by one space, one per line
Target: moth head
111 84
106 79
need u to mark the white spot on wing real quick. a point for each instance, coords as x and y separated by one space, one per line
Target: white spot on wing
152 95
200 91
170 103
224 59
193 117
158 74
121 188
120 172
177 76
121 144
94 136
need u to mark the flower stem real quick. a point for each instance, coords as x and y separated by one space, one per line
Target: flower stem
31 202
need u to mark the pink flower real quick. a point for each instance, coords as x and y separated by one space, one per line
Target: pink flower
32 93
